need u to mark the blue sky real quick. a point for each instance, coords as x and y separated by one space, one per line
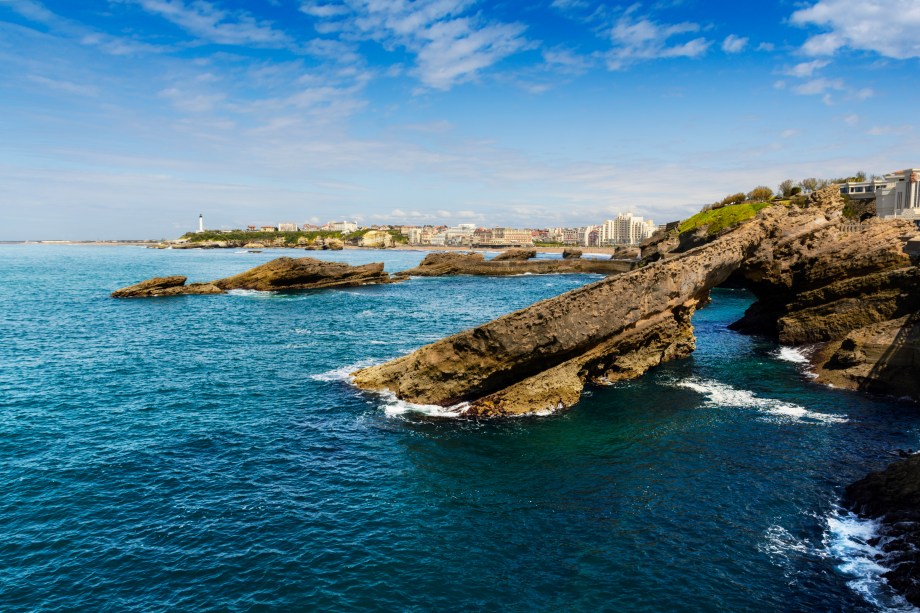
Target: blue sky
126 118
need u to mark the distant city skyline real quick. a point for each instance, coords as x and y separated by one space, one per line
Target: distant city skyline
128 118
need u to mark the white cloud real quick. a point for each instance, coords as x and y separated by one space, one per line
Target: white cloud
734 44
205 20
886 27
450 47
789 133
851 120
805 70
766 47
67 87
817 87
643 39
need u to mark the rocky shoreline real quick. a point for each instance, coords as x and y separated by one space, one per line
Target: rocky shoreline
892 496
817 280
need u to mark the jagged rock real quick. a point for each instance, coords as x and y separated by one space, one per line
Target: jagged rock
254 245
814 279
281 274
165 286
571 254
334 244
539 358
892 495
626 252
304 273
882 358
515 254
462 263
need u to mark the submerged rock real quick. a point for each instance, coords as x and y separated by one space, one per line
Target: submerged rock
281 274
571 254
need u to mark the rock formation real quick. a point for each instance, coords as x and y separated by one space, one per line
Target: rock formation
515 254
281 274
571 254
165 286
461 263
816 280
540 358
893 496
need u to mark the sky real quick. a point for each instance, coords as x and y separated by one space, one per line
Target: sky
125 119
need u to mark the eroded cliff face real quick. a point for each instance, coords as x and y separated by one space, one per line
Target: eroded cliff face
817 277
541 357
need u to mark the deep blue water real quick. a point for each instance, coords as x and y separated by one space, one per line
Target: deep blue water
206 452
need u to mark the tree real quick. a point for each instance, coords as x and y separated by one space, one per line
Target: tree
785 188
796 190
810 184
734 198
761 193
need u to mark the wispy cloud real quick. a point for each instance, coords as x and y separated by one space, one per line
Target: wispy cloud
640 39
886 27
449 46
734 44
204 20
805 70
66 87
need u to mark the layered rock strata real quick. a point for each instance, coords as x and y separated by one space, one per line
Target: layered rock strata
460 263
816 279
540 358
281 274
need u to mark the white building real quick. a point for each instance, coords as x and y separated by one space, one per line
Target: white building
287 227
625 230
345 227
460 235
897 194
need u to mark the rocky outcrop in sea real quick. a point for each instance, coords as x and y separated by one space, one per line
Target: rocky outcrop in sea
281 274
817 278
511 262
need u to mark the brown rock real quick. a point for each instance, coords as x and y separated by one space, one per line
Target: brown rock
281 274
515 254
571 254
165 286
461 263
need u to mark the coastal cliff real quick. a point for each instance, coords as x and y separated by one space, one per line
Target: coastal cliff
817 279
281 274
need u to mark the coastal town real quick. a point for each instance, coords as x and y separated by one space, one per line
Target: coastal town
624 229
893 195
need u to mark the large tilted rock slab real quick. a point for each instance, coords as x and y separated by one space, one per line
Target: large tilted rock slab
281 274
304 273
539 358
461 263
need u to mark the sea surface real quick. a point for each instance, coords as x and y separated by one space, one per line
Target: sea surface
208 453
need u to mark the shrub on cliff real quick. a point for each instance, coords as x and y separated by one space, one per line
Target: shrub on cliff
717 220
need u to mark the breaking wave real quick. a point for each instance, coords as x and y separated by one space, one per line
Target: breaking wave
721 395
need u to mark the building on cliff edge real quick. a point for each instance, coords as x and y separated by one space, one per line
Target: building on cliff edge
897 194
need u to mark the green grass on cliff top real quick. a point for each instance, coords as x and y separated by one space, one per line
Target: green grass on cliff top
726 217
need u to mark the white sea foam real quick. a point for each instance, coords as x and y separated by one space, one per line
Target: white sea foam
342 373
721 395
394 407
792 354
251 293
847 539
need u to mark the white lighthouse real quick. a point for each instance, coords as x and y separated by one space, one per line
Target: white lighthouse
200 223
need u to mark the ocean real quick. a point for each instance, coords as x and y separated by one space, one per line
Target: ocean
208 452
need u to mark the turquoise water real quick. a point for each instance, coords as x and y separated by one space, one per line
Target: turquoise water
207 452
